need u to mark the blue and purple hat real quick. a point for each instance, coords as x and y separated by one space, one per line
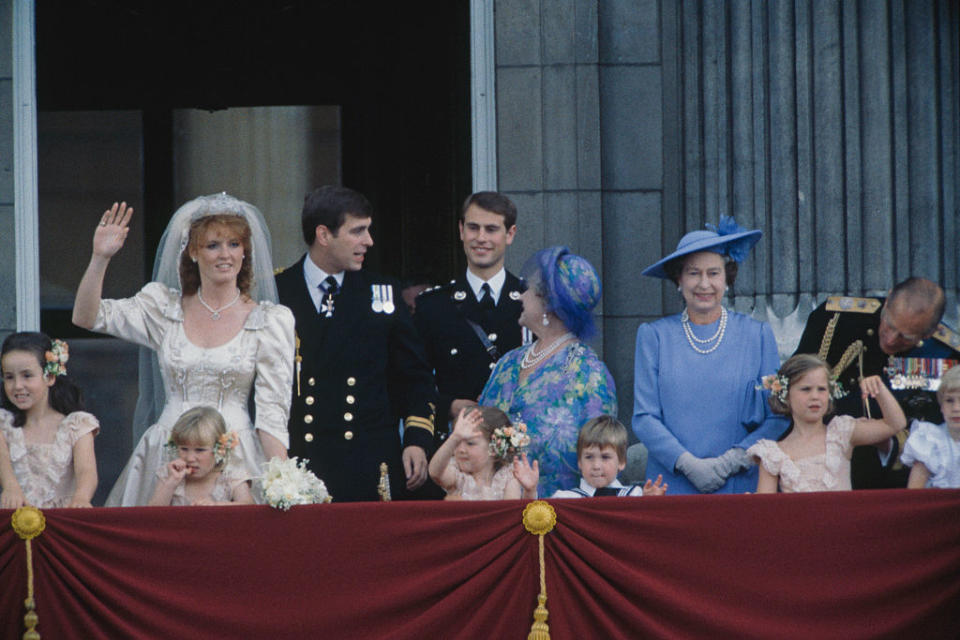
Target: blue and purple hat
572 287
728 239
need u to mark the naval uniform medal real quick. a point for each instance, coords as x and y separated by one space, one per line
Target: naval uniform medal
382 298
326 307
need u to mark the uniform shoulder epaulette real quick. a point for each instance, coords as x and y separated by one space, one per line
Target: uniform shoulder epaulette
277 271
947 336
856 305
434 288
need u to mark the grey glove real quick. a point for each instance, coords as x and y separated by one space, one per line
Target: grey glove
732 462
701 472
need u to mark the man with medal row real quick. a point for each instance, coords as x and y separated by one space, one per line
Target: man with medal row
892 337
359 360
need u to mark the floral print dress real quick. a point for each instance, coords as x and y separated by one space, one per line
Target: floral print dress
570 387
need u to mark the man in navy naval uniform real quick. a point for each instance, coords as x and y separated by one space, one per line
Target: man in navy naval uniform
356 350
468 324
887 337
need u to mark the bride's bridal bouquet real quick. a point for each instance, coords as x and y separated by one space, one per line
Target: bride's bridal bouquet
288 482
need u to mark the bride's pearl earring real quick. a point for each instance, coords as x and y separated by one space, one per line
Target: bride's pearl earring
546 320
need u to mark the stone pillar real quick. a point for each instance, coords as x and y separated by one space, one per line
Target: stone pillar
631 128
579 130
830 125
548 135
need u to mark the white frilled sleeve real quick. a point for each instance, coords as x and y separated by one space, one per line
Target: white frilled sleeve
922 446
141 319
274 382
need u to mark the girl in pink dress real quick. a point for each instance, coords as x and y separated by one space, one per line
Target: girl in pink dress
474 462
199 474
46 439
813 455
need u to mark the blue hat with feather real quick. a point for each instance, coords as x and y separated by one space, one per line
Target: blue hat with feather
727 238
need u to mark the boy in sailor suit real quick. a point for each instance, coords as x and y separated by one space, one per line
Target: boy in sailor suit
601 455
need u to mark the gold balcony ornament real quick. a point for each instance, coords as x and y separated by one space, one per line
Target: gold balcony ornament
539 518
383 487
28 523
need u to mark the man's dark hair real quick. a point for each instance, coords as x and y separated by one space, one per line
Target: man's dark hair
494 203
920 296
329 205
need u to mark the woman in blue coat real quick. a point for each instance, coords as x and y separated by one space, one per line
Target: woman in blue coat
696 403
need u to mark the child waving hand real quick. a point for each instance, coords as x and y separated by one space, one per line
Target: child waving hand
475 461
813 455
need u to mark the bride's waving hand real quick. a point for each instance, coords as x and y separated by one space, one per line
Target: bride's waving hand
108 239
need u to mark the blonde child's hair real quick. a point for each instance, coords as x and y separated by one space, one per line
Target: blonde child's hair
603 431
793 369
949 382
493 419
198 425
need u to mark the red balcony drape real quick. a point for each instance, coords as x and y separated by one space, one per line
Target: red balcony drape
832 565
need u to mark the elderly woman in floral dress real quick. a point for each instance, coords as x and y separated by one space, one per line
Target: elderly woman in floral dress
558 382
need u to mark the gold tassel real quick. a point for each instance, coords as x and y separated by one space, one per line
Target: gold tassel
539 518
29 522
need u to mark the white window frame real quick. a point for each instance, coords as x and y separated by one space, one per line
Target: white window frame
483 95
26 227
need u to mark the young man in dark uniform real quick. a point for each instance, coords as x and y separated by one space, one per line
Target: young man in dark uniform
357 349
899 338
468 324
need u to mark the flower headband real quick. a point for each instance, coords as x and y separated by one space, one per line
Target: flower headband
225 443
56 359
778 385
509 441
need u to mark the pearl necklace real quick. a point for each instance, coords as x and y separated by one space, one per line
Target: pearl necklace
532 358
692 339
215 313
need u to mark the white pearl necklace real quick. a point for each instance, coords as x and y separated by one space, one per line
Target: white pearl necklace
215 313
693 340
532 358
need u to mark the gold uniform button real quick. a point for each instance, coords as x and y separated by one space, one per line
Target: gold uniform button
308 419
348 435
492 337
312 381
308 437
348 416
492 364
309 400
351 381
453 351
351 400
869 332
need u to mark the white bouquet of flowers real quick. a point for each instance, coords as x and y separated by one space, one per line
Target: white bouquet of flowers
289 482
